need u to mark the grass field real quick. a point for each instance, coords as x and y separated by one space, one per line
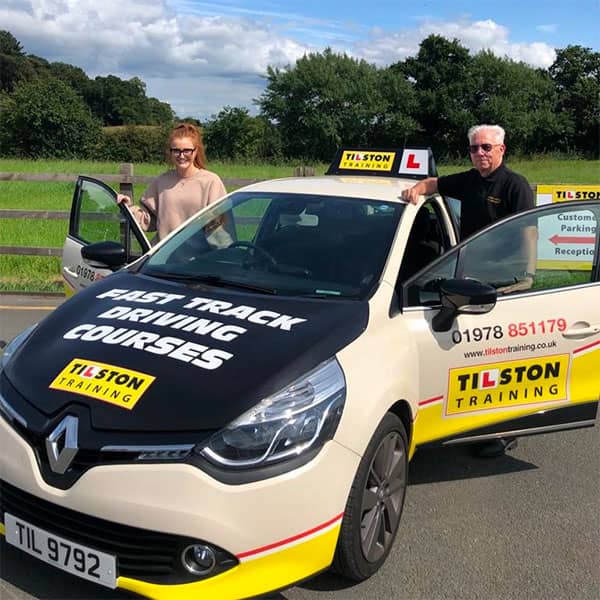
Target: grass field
23 273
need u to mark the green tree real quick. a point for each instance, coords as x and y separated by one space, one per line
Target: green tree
74 76
133 143
576 74
440 74
9 44
116 101
39 66
134 109
323 101
189 119
394 125
235 135
14 66
520 98
159 113
46 118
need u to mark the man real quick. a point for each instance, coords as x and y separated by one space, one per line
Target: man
488 192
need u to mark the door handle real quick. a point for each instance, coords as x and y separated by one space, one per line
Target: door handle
581 332
70 272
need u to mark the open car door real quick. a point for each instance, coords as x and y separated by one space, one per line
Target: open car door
96 218
498 361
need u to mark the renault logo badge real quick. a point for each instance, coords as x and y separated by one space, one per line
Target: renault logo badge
61 444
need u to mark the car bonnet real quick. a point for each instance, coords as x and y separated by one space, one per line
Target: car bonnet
149 355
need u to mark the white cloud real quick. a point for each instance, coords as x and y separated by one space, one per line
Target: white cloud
535 54
206 96
385 47
199 61
124 35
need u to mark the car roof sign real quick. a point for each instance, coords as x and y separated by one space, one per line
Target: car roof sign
414 162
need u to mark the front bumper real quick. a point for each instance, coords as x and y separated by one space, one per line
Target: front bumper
281 530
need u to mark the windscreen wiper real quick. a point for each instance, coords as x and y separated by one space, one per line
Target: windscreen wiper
324 294
211 279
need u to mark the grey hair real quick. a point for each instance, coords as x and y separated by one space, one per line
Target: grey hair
495 129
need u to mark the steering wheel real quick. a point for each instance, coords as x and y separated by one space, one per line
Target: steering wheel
256 250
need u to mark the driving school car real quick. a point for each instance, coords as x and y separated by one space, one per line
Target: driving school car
232 410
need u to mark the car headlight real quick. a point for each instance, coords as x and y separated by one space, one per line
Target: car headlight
301 417
14 345
9 351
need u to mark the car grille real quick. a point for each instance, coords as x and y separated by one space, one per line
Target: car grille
87 458
141 553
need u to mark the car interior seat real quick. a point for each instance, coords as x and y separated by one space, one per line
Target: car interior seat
419 251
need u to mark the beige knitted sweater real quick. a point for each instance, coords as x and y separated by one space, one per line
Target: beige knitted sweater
171 199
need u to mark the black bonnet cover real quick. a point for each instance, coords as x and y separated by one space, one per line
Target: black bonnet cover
151 355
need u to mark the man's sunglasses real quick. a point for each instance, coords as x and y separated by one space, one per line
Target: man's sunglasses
185 151
473 148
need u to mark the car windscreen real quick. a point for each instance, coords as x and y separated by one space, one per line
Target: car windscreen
283 243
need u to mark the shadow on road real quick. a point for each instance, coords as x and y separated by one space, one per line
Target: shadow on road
455 463
326 582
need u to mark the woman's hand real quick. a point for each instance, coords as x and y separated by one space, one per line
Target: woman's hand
139 214
122 198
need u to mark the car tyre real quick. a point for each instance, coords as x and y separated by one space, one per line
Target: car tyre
375 503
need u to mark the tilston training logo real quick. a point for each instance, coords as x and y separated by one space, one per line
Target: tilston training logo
367 161
578 194
507 384
100 381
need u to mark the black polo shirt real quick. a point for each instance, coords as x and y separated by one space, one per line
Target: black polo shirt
486 199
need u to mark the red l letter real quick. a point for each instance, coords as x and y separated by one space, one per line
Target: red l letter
411 164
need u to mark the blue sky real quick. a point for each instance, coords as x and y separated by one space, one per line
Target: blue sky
556 23
201 56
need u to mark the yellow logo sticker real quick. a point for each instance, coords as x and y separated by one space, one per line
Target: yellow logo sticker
367 161
507 384
565 193
108 383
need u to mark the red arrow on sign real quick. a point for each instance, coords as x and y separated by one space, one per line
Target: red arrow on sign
563 239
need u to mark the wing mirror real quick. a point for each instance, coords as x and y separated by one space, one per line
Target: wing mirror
462 296
105 254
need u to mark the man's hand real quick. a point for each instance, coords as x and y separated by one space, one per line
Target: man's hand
425 187
520 286
411 195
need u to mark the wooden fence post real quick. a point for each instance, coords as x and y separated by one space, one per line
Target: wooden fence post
304 172
126 184
126 188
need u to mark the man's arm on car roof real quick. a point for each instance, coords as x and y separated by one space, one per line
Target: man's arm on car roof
425 187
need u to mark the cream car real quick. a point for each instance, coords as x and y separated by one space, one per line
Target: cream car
233 410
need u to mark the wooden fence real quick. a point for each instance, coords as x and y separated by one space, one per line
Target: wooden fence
125 180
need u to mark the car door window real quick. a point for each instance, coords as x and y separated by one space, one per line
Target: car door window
247 217
455 208
96 217
430 237
567 253
425 242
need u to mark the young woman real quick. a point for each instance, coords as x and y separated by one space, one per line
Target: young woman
176 195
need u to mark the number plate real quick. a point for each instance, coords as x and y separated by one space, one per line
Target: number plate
66 555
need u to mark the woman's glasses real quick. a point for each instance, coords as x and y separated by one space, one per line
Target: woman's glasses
187 152
473 148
